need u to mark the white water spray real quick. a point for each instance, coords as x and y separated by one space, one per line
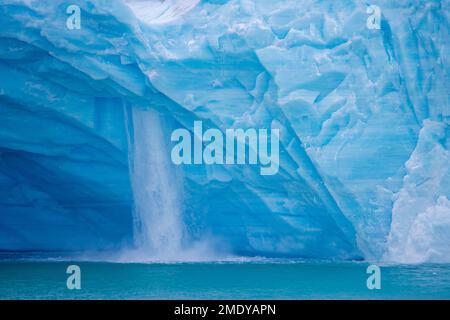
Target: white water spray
156 187
159 231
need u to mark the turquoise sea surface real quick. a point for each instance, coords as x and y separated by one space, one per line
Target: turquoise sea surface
221 280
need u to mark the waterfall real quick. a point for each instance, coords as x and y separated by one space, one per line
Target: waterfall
157 188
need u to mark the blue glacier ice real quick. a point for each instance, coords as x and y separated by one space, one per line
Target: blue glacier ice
364 114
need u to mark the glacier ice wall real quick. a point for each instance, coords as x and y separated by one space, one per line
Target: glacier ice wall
363 116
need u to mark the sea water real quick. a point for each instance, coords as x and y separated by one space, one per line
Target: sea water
246 279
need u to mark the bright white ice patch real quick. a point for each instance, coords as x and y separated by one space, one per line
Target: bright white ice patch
160 11
420 230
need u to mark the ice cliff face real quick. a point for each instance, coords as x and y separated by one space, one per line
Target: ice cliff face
363 116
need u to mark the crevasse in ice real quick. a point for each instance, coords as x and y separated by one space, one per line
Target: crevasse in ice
363 113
